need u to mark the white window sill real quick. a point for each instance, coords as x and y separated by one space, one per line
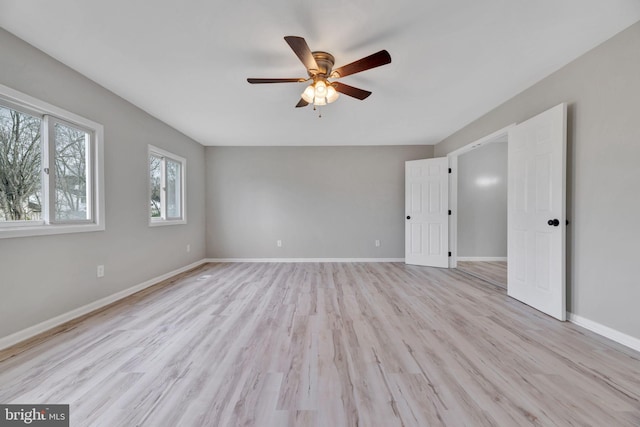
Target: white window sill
161 222
46 230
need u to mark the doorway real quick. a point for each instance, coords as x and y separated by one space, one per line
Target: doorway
536 209
479 209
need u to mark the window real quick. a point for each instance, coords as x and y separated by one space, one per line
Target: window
50 169
71 149
166 188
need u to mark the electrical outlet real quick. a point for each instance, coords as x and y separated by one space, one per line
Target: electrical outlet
100 271
279 243
377 243
188 248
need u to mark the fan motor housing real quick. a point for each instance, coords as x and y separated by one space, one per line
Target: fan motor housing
325 63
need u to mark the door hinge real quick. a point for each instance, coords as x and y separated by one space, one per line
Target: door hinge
449 211
449 253
449 170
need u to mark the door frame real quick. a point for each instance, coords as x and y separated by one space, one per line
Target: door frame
453 185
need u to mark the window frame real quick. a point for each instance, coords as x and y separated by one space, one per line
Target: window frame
49 183
165 155
21 102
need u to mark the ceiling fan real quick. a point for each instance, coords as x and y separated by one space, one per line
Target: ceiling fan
319 66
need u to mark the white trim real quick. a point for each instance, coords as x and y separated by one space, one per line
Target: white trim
155 222
43 107
32 331
453 207
35 105
453 187
482 258
493 137
605 331
305 260
46 230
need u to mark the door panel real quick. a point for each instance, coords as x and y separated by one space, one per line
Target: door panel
536 195
427 206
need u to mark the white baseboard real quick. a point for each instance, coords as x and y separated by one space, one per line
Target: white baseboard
305 260
32 331
482 258
605 331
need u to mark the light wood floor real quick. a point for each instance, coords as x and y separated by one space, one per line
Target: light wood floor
494 272
327 345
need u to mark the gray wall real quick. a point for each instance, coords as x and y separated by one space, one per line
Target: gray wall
42 277
322 202
482 201
603 90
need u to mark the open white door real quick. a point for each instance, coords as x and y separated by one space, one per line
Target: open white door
536 212
427 212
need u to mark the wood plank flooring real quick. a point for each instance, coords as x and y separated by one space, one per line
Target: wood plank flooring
344 344
494 272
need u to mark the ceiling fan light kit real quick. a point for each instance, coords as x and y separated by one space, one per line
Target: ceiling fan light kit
319 67
320 93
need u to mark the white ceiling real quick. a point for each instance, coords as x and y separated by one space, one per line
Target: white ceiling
186 62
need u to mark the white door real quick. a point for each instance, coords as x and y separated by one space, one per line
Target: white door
427 212
536 212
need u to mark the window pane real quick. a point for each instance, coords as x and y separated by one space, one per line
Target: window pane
72 201
20 166
155 173
173 189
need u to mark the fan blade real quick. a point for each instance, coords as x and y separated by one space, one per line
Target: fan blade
302 103
351 91
301 49
371 61
258 81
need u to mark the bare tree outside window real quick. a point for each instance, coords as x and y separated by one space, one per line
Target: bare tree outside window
166 187
173 189
51 169
71 196
155 175
20 166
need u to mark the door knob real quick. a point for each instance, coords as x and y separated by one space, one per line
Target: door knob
408 217
553 222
